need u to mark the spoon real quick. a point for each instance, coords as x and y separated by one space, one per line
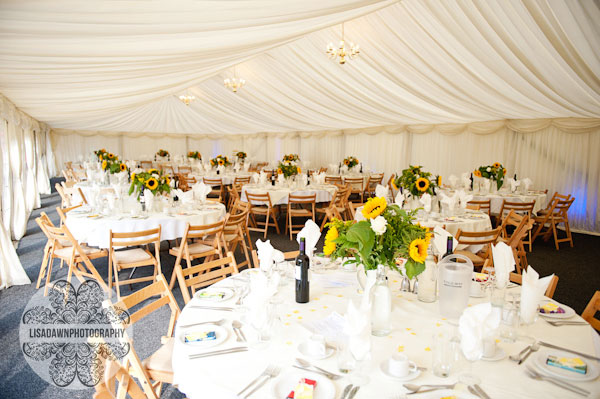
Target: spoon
533 348
416 388
237 325
215 322
307 364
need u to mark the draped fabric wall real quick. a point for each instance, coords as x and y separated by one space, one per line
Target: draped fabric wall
24 158
557 154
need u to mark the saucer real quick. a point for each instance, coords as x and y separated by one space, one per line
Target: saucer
499 355
411 375
302 348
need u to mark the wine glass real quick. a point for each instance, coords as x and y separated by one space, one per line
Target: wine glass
468 377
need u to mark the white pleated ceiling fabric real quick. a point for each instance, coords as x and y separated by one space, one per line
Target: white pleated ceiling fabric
118 66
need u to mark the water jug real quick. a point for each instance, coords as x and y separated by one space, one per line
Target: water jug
455 283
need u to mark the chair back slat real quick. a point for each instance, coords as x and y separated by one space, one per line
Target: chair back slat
302 199
478 237
143 238
590 311
203 274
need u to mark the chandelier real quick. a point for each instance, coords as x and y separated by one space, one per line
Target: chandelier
234 83
342 51
187 98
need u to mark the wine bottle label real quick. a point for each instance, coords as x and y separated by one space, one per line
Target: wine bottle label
298 274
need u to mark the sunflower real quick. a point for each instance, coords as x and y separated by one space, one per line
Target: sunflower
477 173
190 154
497 165
167 180
329 246
152 183
374 207
503 171
104 165
422 184
133 177
299 170
346 162
221 162
212 163
111 155
152 171
100 157
279 171
123 167
439 182
418 250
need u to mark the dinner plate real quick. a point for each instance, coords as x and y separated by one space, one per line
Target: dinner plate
220 333
540 362
569 312
212 294
286 382
444 393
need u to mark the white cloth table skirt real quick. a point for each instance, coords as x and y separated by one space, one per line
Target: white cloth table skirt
95 231
496 199
279 195
414 324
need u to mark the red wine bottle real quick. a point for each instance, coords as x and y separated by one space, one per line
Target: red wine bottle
449 245
302 266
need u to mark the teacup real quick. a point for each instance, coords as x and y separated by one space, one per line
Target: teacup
477 289
315 346
400 366
489 347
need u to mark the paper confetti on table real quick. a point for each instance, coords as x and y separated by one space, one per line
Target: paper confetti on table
401 348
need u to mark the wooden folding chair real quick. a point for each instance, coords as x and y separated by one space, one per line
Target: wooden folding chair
589 313
484 206
372 183
236 233
208 245
121 259
555 196
485 238
184 170
337 180
241 180
353 208
472 207
520 208
356 187
204 274
78 257
156 369
260 205
518 279
146 165
337 206
42 221
216 193
295 208
290 255
107 387
546 224
523 225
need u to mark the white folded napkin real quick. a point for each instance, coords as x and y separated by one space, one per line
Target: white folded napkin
357 327
200 191
440 239
453 180
311 233
148 199
514 184
382 191
304 179
221 168
532 290
138 170
255 178
280 178
464 198
262 289
333 168
187 197
425 200
486 183
320 178
131 164
449 201
466 180
246 166
399 200
265 254
504 263
476 324
527 183
278 256
262 178
111 198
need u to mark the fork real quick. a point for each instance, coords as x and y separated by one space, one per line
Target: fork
565 385
271 373
557 323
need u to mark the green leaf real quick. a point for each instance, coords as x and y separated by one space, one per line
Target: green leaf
413 269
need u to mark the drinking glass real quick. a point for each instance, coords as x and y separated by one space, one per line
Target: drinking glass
444 356
510 320
468 377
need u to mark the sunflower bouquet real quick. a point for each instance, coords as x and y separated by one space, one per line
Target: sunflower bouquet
350 162
220 160
493 172
387 234
101 154
112 164
195 155
416 181
152 180
162 153
288 168
291 158
241 155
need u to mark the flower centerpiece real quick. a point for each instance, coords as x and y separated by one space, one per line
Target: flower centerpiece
494 172
220 160
112 164
416 181
101 154
152 180
350 162
241 156
195 155
386 236
162 154
288 168
291 158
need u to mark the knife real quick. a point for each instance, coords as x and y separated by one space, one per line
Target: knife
568 350
346 391
353 392
481 391
473 391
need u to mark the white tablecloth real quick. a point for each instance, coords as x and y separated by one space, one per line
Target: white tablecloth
496 199
95 230
89 190
414 324
279 195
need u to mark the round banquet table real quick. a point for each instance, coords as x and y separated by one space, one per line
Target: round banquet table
414 324
497 198
279 195
93 229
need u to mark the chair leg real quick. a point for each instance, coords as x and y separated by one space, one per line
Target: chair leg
275 223
568 231
555 234
266 224
43 267
48 274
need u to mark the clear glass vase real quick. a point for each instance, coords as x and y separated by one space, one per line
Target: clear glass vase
428 280
381 305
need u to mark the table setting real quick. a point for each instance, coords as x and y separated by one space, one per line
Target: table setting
331 346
